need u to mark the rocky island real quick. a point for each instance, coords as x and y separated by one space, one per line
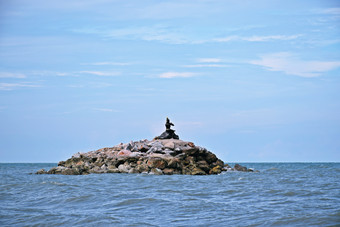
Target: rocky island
165 154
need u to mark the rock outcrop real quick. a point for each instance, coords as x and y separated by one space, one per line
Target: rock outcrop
166 156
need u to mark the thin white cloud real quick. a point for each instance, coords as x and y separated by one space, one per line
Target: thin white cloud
12 86
227 39
101 73
76 85
177 74
290 64
209 60
258 38
79 73
12 75
100 85
155 33
54 73
206 65
171 35
108 63
90 85
331 11
65 74
105 110
270 38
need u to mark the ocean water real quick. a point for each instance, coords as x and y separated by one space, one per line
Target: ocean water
282 194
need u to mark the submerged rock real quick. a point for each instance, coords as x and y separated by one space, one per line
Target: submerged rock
239 168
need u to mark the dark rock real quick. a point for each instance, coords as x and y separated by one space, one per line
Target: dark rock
198 171
174 163
238 167
216 170
203 165
143 168
156 171
210 157
168 171
157 163
226 166
41 171
69 171
133 170
61 163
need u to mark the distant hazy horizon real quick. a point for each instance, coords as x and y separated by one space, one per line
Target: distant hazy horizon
252 81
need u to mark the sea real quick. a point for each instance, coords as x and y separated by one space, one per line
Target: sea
281 194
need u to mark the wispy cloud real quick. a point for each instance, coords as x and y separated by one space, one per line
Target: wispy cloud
177 74
65 74
290 64
152 33
12 75
270 38
209 60
332 11
90 85
12 86
76 85
101 73
105 110
258 38
206 65
100 85
171 35
77 73
108 63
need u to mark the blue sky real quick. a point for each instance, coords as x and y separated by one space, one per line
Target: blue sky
252 81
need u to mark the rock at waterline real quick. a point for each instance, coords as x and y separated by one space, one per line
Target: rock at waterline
167 156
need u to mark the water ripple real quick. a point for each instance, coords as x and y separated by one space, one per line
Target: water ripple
291 194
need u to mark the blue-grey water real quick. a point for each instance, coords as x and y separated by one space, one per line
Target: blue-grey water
282 194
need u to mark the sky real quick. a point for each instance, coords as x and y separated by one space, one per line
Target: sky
252 81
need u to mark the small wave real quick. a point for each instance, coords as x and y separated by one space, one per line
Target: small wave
198 194
54 183
273 191
283 195
290 193
129 202
229 191
172 191
271 169
79 198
